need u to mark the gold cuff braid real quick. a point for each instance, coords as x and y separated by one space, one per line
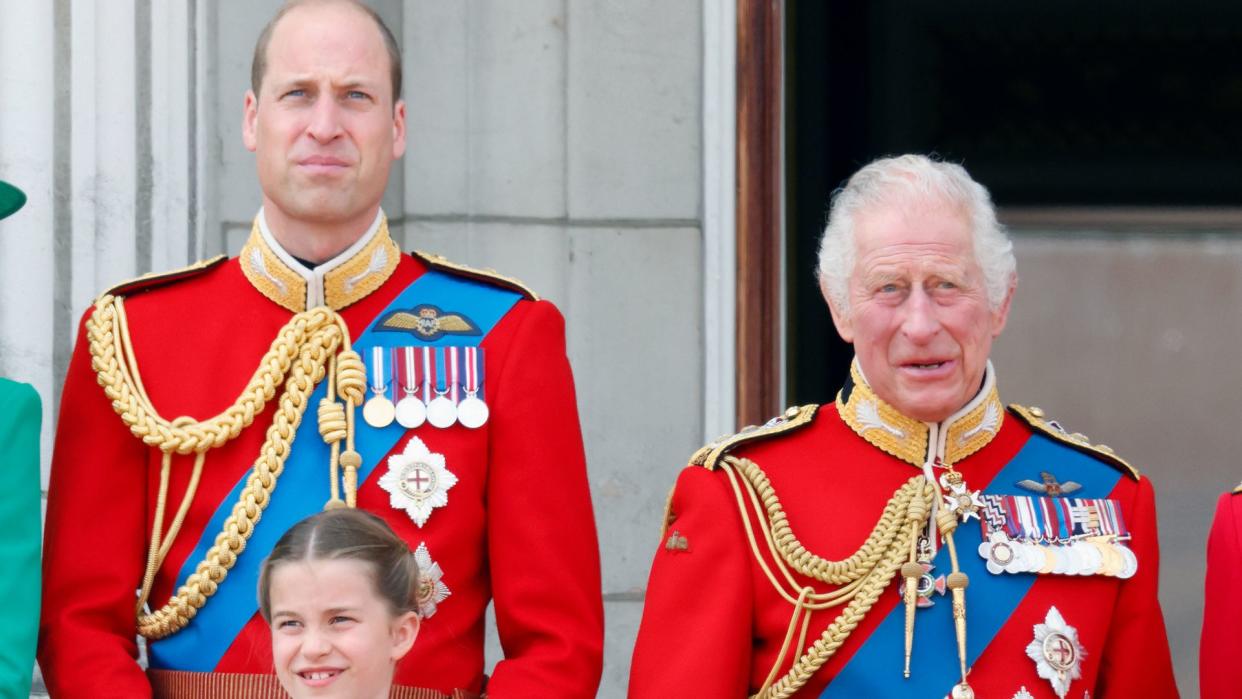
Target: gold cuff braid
301 355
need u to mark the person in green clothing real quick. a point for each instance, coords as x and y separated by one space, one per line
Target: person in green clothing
20 417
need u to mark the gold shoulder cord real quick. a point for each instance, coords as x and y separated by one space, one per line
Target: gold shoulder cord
303 352
861 578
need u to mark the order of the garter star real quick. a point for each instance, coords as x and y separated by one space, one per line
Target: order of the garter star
417 481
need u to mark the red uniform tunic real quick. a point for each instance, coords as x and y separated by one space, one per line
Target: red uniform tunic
713 623
1220 647
518 527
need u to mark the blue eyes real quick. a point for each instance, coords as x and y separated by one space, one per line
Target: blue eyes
895 288
350 95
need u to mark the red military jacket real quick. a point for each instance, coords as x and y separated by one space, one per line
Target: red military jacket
517 527
714 623
1220 647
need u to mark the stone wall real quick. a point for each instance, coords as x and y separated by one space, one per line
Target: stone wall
559 141
579 145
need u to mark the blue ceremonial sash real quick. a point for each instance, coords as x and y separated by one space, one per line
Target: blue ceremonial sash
303 486
875 670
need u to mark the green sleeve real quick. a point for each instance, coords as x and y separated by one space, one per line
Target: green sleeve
20 501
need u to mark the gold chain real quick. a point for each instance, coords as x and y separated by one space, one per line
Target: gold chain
304 351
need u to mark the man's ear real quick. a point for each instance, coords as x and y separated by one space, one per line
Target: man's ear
1000 316
398 129
404 631
840 318
250 117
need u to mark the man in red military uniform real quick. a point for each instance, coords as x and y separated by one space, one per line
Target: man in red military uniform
208 409
1220 646
916 538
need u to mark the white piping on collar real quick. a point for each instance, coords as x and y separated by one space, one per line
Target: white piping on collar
315 277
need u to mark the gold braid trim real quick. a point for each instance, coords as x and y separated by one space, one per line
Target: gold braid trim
862 577
304 350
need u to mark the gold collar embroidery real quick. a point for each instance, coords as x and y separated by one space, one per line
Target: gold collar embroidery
964 433
337 283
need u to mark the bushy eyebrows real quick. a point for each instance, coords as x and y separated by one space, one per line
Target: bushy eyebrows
881 275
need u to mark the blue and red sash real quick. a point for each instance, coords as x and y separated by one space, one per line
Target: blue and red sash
303 486
875 669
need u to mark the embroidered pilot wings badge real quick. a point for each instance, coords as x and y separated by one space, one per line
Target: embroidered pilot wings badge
427 322
417 481
1049 486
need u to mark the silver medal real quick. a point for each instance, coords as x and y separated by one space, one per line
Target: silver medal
472 412
441 412
1090 557
1130 566
410 411
1064 559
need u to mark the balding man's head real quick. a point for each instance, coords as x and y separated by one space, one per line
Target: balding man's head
258 65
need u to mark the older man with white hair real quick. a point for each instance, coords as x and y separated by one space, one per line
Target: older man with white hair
915 538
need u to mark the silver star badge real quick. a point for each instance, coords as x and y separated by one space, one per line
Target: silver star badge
417 481
961 500
1057 653
431 591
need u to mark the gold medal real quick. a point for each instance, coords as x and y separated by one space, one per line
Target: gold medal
378 412
1111 564
1050 560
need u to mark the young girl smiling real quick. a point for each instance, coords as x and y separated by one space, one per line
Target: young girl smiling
339 591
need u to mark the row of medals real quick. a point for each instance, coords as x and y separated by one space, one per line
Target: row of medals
1095 551
1100 555
410 411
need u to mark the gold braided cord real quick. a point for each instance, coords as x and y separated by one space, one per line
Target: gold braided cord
160 542
812 601
299 358
862 577
812 566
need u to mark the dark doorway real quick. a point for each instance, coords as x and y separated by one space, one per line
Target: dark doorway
1050 104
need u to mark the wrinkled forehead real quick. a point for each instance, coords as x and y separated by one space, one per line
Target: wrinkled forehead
914 223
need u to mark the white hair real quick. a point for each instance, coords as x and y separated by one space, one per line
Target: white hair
909 178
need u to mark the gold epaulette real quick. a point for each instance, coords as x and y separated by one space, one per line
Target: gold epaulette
1238 489
153 279
486 275
1036 420
793 418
